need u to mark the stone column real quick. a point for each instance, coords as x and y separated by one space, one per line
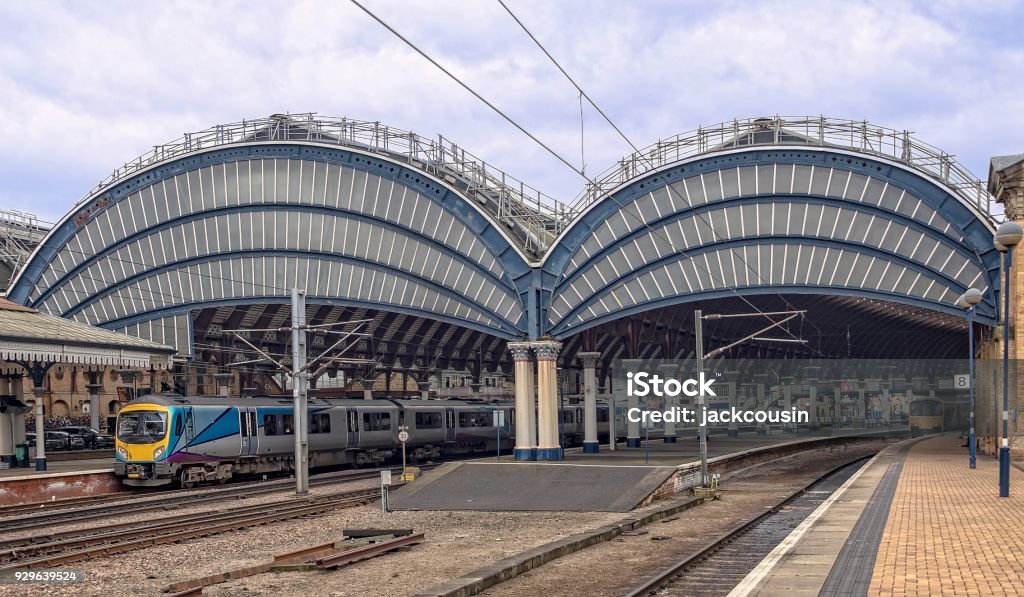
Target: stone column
887 403
667 371
424 388
836 395
522 363
632 402
590 441
531 400
547 400
367 389
812 403
732 387
858 411
37 392
94 404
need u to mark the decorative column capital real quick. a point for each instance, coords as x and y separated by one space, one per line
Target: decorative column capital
127 375
590 359
94 388
520 350
367 383
547 350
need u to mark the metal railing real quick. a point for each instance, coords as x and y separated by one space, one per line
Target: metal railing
20 233
815 131
531 215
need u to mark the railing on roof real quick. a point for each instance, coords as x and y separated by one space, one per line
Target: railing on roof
20 232
533 216
855 135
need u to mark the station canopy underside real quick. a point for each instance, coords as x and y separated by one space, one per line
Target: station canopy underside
450 259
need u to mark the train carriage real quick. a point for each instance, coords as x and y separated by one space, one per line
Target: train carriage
167 438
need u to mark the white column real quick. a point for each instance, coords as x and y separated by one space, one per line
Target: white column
590 441
40 430
367 389
531 403
424 387
667 371
524 450
94 405
547 400
632 402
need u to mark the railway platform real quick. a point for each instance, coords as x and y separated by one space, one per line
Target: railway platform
915 521
63 479
611 481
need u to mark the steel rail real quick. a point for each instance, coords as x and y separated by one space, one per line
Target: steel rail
271 512
652 585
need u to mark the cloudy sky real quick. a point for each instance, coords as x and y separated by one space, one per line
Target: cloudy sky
85 86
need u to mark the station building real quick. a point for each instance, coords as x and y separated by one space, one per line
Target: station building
466 271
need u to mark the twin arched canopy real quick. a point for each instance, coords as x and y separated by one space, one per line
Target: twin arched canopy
366 217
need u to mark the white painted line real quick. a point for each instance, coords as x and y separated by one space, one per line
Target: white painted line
759 573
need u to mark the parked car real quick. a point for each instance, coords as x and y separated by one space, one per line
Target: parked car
64 441
53 442
93 439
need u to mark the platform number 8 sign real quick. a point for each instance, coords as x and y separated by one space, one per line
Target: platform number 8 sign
962 382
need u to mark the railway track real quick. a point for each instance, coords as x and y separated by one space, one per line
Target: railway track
68 547
120 505
720 565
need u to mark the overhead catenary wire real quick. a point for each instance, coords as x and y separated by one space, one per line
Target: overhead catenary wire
564 161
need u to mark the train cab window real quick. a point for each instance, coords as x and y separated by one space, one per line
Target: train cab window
376 421
428 420
178 423
289 425
270 425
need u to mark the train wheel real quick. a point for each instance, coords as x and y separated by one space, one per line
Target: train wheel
185 484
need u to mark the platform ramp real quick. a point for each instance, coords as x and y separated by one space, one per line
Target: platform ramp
531 487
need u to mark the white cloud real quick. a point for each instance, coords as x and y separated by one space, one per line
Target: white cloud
85 87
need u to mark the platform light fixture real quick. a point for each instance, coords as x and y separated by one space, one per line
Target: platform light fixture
1008 235
967 301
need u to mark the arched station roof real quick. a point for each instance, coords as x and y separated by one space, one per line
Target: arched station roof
240 214
769 210
448 255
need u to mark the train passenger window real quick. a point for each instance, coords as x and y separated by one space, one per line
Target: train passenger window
428 420
376 421
289 425
178 424
270 425
353 421
314 423
602 415
475 419
325 423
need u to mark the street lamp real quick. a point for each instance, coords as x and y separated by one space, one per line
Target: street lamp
967 300
1008 234
1000 318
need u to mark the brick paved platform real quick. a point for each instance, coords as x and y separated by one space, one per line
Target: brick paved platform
915 521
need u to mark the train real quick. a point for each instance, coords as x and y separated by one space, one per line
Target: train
165 439
926 416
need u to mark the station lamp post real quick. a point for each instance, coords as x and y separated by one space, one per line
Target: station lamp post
1000 318
967 300
1008 235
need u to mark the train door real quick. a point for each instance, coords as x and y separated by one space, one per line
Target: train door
352 424
248 431
190 429
449 424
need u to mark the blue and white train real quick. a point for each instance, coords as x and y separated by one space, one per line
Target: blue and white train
162 439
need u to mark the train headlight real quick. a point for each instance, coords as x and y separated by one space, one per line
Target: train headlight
122 453
158 453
